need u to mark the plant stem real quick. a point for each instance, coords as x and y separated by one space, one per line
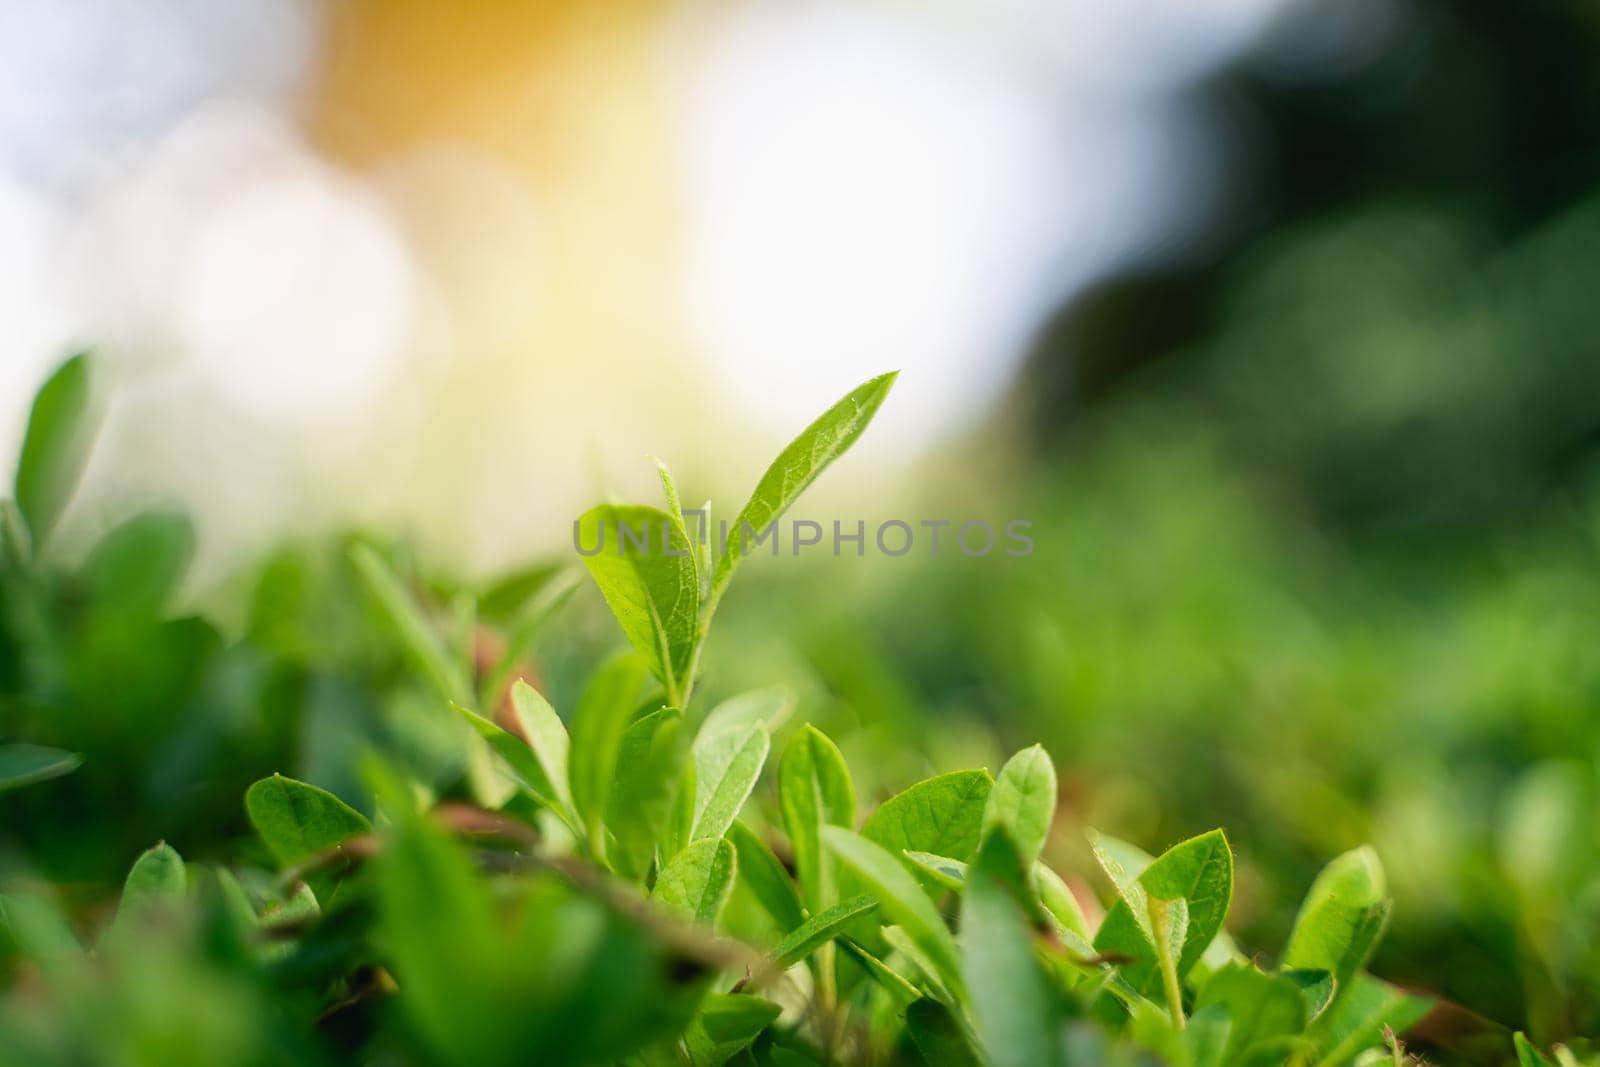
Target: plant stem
1169 967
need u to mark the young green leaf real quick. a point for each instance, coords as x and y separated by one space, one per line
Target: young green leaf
669 490
236 903
55 447
544 777
820 929
23 764
761 872
546 737
934 981
296 820
510 595
814 790
1342 918
892 982
695 883
35 925
1059 901
157 875
941 870
900 897
436 920
598 726
1198 871
14 547
1265 1009
1356 1019
137 566
422 645
1205 1039
726 767
1317 987
765 707
1023 801
1527 1054
796 467
1018 1021
644 566
1123 863
641 798
942 815
726 1025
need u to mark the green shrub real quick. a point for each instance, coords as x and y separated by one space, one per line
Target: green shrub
623 883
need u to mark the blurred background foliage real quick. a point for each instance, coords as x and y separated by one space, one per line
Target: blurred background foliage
1315 504
1317 524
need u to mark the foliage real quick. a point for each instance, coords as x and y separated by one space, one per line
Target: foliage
480 879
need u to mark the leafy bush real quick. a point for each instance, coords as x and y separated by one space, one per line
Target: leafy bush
626 883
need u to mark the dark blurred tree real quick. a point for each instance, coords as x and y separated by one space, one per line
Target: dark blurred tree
1398 313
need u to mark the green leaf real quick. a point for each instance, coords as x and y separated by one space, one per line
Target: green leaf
157 876
505 598
1059 901
695 884
24 764
1317 987
1123 863
1342 918
297 820
900 897
427 653
598 726
764 707
1017 1020
797 466
1205 1039
1264 1008
1023 801
934 982
936 1036
1356 1019
137 566
520 762
651 589
546 738
814 790
941 870
1198 871
1527 1055
820 929
641 798
669 490
726 767
435 920
892 982
764 875
726 1025
14 549
55 448
38 929
942 815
